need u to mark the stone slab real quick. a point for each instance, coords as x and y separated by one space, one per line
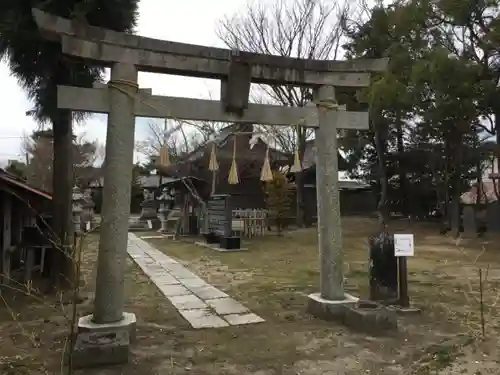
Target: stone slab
174 290
145 261
219 249
144 246
165 261
137 256
182 274
208 292
226 306
172 267
187 302
239 319
165 279
195 282
154 268
93 349
128 323
203 318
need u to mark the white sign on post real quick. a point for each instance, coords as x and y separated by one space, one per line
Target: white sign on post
403 245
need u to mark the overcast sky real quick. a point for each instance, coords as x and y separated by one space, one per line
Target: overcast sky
188 21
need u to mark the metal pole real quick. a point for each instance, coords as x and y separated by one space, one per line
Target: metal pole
404 300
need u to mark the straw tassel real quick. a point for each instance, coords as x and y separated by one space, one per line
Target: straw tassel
233 172
297 165
213 165
164 157
266 174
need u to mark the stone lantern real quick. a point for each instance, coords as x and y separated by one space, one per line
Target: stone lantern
149 207
165 200
78 202
88 214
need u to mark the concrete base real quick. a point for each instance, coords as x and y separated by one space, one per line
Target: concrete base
364 316
405 310
128 324
216 247
327 309
150 224
169 235
104 348
136 225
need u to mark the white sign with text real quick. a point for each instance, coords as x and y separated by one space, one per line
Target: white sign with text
404 245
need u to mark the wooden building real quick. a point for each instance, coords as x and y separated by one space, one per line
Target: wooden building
249 192
356 198
24 246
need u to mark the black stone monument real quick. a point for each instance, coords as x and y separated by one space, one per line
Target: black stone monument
383 269
220 219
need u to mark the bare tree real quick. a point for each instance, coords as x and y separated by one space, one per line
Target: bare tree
87 153
308 29
180 137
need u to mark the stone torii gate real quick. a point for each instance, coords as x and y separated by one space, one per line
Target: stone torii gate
127 54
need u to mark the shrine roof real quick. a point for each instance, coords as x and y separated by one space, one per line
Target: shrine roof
17 182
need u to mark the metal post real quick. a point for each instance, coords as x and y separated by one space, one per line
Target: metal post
404 300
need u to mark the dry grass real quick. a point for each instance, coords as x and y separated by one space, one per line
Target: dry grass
273 279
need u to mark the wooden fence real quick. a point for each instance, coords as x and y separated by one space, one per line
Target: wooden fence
250 222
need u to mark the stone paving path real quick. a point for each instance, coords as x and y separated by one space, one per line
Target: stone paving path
201 304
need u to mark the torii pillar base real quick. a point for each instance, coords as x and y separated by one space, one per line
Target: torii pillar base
103 344
362 316
327 309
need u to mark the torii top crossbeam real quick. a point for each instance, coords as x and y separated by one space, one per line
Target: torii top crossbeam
159 56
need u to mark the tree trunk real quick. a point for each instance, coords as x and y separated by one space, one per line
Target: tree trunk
479 177
446 188
404 199
497 155
456 212
384 185
62 262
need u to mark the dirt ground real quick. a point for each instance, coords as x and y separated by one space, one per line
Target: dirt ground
273 279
